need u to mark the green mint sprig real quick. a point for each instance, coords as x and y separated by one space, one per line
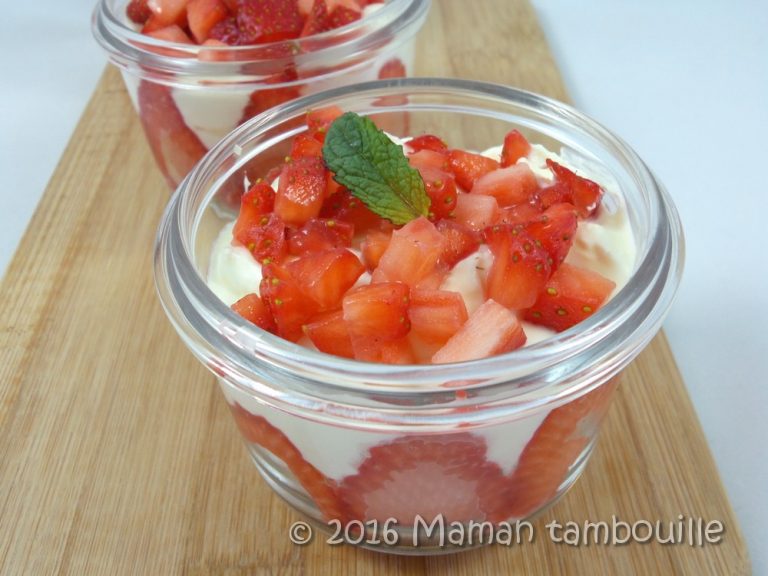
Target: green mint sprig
374 169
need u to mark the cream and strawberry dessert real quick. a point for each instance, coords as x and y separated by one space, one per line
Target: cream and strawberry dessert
183 119
411 251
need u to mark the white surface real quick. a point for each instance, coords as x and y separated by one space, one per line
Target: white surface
685 83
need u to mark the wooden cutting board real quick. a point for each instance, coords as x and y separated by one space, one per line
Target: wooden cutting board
117 452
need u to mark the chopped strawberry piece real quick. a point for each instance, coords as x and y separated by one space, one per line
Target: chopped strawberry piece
318 235
301 190
412 254
167 12
571 295
227 31
263 99
436 315
345 207
519 214
557 443
468 167
138 11
320 119
441 189
342 16
429 159
258 201
585 194
515 147
326 276
520 267
290 308
374 245
263 21
554 230
513 185
427 142
392 352
476 211
491 329
254 310
328 332
446 475
557 193
461 241
264 237
203 15
317 19
172 33
306 145
257 430
376 314
393 68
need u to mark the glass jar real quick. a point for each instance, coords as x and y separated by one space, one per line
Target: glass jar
188 97
368 445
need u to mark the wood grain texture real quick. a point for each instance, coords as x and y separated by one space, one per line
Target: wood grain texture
118 454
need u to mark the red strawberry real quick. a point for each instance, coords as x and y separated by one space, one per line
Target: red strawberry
554 230
515 147
429 159
556 193
412 254
461 241
328 332
318 235
393 68
585 194
436 315
556 445
138 11
167 12
342 16
326 276
320 119
468 167
427 142
376 314
301 190
317 19
263 21
254 310
374 245
290 308
257 430
513 185
227 31
346 208
571 295
264 99
254 205
172 33
441 189
425 475
176 148
203 15
476 211
519 214
264 238
491 329
306 145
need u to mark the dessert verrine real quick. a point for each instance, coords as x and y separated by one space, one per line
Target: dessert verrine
196 69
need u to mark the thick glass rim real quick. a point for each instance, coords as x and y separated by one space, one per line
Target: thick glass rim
527 377
131 50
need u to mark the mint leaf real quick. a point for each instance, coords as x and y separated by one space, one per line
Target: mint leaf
374 169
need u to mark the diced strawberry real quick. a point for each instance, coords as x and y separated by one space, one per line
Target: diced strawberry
320 119
429 159
436 315
520 268
345 207
519 214
254 310
461 241
317 19
301 190
169 12
318 235
258 201
476 211
342 16
263 21
257 430
515 147
376 314
571 295
305 6
203 15
547 458
441 189
227 31
264 237
554 231
374 245
412 254
446 475
396 351
172 33
138 11
557 193
585 194
393 68
263 99
326 276
467 167
176 148
328 332
427 142
306 145
515 184
491 329
290 308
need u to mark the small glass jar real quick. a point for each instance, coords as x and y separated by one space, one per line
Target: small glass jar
188 97
493 440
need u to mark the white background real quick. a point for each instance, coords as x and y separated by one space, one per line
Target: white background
685 82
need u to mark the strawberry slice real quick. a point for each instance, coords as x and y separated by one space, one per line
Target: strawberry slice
491 329
301 190
167 12
326 276
584 194
328 332
436 315
520 214
172 33
429 159
558 442
476 211
203 15
253 309
515 147
226 31
512 185
138 11
376 314
467 167
554 231
571 295
427 142
520 268
264 99
264 237
441 189
254 205
412 254
461 241
374 246
318 235
320 119
425 475
176 148
306 145
257 430
317 19
263 21
343 206
288 304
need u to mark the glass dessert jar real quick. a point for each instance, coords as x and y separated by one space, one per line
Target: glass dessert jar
415 448
189 96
